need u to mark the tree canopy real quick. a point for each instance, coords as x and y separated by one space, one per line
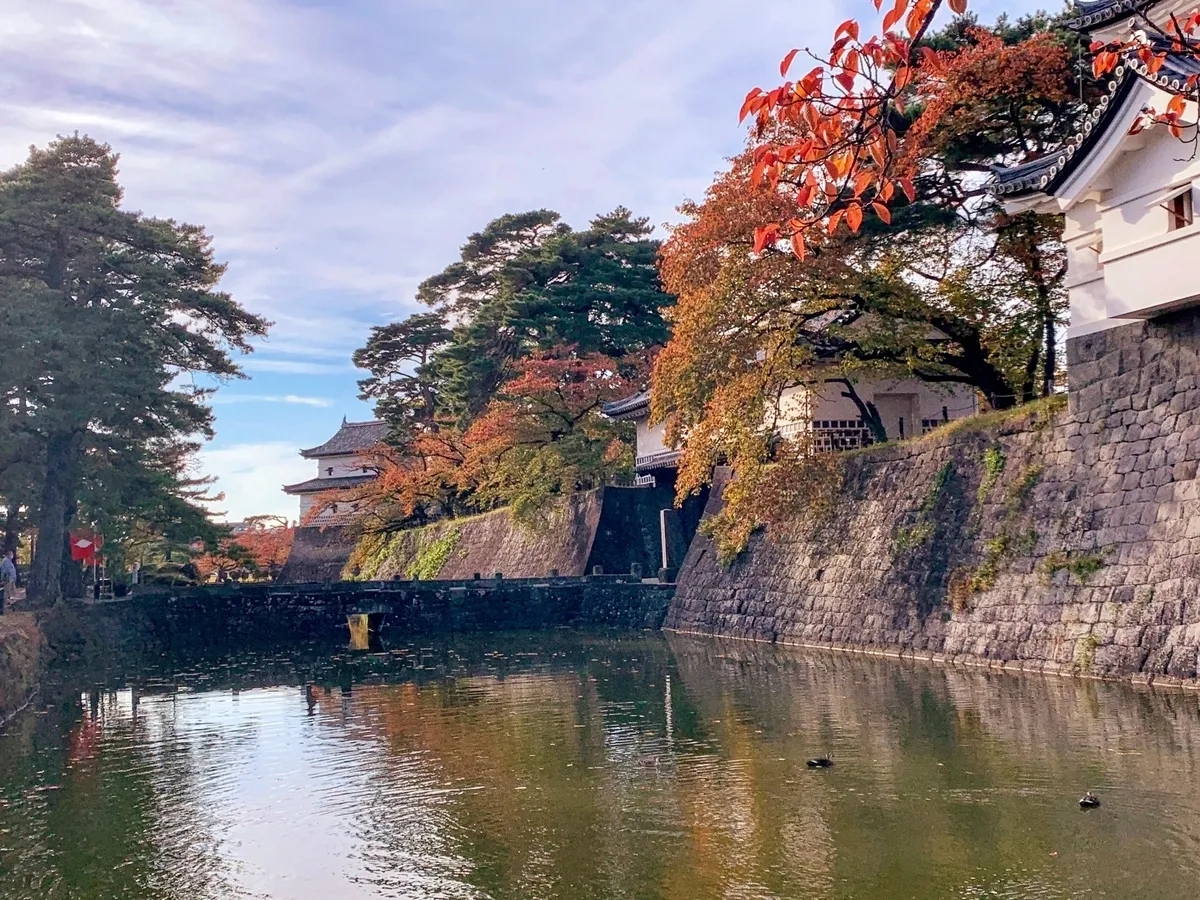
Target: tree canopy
107 314
834 247
494 395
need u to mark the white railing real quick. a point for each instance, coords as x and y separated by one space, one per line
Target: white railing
830 434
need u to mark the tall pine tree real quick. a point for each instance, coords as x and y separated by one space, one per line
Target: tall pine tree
104 311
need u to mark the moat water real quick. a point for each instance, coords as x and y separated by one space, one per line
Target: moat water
566 765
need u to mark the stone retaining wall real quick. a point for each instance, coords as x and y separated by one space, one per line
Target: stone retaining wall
1063 541
264 613
612 527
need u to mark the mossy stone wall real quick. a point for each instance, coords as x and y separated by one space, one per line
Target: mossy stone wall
1063 540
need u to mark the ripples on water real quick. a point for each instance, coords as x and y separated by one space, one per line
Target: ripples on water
580 766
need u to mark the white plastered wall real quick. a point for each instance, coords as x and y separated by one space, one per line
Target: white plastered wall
340 466
650 438
1124 260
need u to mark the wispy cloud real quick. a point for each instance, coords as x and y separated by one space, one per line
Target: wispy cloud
294 367
227 398
340 151
252 476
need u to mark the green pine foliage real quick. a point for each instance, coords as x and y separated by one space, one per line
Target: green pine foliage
106 316
527 282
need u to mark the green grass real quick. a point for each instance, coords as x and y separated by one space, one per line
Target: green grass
993 468
916 533
432 555
1082 565
1086 654
1019 490
985 576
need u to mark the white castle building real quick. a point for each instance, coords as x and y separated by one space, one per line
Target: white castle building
1131 235
906 408
341 464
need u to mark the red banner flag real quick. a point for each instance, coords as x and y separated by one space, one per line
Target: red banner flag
85 545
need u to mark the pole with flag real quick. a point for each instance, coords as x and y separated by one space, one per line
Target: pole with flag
85 548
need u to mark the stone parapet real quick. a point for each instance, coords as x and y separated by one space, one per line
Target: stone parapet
228 615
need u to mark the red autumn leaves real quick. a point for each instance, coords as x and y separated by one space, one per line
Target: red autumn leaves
842 159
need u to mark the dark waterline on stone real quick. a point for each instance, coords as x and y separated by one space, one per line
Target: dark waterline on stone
570 765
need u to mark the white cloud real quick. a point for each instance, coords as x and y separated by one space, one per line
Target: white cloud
340 153
227 398
252 478
294 367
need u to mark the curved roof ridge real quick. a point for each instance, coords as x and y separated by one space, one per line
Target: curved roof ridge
635 403
1046 173
1094 13
351 437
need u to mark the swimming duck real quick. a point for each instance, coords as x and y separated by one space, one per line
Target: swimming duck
819 762
1089 801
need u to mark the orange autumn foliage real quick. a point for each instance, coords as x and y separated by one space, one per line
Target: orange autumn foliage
1150 45
261 549
757 314
542 435
733 349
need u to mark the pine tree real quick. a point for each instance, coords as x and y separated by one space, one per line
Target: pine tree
107 310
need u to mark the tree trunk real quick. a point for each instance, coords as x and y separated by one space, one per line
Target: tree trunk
58 498
867 411
1051 367
72 570
1031 368
974 361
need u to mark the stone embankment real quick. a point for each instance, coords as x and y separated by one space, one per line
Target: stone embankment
20 646
614 528
228 615
1060 540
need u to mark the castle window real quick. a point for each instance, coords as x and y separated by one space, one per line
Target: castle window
1179 211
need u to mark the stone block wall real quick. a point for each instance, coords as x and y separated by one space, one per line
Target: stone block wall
317 554
217 616
1060 540
612 527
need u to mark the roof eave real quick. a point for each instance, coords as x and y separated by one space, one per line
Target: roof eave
1101 14
1017 190
632 407
637 412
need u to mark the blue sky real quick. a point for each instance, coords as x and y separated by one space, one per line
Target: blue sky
340 152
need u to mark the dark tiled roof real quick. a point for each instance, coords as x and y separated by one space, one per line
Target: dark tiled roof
1098 13
352 437
664 459
315 485
619 408
1049 172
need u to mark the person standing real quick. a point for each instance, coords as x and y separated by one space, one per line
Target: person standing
8 577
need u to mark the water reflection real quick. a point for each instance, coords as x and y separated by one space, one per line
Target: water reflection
564 765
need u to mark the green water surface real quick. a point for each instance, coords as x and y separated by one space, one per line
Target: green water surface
566 765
